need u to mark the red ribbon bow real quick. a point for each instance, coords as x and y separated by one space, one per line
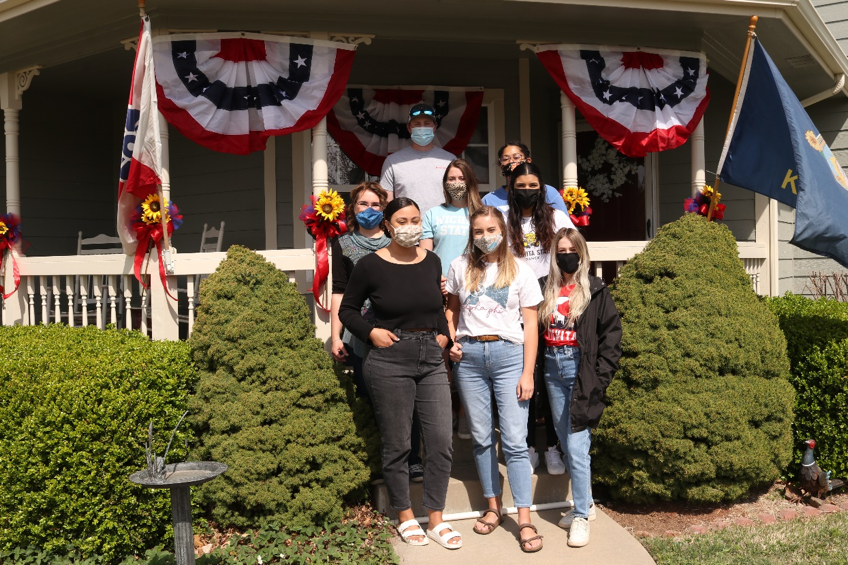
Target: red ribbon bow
321 230
8 241
150 235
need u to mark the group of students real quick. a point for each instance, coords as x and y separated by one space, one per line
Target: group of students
501 287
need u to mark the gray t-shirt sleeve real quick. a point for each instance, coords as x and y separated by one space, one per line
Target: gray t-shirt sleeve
387 177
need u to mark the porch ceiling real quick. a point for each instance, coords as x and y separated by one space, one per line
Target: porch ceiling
67 30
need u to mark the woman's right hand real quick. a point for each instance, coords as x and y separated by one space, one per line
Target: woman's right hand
338 350
456 352
382 338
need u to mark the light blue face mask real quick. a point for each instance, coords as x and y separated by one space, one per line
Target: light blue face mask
369 218
422 136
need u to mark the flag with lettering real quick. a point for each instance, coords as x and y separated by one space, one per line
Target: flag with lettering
774 148
230 92
141 155
639 101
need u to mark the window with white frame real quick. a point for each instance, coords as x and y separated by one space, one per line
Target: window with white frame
481 150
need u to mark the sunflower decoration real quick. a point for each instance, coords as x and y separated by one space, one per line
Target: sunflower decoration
700 204
151 210
4 229
329 205
10 231
324 218
575 197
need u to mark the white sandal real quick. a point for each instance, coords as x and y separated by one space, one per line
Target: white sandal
433 533
412 528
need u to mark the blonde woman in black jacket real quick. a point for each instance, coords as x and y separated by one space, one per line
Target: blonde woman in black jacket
582 348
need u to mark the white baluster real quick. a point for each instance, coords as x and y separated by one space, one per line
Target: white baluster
83 282
599 269
98 302
69 290
57 295
42 289
190 292
145 296
31 295
128 281
618 266
113 304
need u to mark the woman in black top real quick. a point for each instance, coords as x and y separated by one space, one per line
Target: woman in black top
403 365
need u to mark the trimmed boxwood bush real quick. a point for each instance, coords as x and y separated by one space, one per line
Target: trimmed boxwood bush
75 404
701 409
817 340
269 403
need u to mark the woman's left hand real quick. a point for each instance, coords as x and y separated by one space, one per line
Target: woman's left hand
525 387
442 340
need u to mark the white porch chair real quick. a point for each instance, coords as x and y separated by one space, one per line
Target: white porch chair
211 239
100 244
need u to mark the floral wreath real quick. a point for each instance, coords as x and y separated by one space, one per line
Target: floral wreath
10 235
700 204
324 218
146 221
575 196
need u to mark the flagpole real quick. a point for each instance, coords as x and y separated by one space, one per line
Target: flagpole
141 11
752 31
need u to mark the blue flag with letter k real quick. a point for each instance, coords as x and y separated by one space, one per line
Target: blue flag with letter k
774 148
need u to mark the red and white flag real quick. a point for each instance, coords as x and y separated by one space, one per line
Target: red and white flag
141 157
640 102
369 123
230 92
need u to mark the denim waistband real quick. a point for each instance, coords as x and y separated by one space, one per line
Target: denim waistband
404 334
562 348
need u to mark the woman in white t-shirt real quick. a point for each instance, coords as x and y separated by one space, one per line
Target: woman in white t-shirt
489 292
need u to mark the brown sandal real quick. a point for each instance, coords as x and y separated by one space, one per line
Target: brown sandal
521 542
488 527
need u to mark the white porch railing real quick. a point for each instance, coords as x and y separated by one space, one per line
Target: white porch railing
81 290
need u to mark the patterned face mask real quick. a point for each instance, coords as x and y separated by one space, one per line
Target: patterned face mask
408 235
488 243
457 190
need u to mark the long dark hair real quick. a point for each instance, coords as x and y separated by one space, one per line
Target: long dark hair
542 216
393 207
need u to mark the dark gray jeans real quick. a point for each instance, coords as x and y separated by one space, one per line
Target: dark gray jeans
407 377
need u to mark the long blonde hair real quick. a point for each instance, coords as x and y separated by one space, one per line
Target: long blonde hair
579 298
475 272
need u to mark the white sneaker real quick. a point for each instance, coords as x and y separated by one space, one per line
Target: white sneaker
462 428
534 459
553 461
579 534
568 517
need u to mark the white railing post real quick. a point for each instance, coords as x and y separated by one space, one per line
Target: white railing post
164 309
320 183
15 311
69 290
569 142
190 293
128 286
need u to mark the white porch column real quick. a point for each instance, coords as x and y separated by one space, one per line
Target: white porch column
569 142
163 310
321 182
699 159
11 127
166 157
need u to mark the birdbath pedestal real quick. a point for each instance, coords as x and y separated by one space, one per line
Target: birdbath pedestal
179 478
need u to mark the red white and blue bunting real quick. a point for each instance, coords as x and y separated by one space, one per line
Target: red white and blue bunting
369 123
640 102
231 91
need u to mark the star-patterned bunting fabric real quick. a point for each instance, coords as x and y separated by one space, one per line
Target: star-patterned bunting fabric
232 91
369 123
641 102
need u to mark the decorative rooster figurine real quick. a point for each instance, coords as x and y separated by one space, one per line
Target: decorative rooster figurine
814 481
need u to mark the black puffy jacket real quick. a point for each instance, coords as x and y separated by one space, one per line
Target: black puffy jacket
599 338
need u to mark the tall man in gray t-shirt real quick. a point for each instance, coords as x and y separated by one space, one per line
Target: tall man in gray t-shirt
416 172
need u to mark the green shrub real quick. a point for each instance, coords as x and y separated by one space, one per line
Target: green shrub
269 403
701 409
74 408
817 340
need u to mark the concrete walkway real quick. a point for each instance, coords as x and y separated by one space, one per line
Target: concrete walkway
609 544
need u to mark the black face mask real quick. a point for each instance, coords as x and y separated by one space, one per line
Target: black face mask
568 262
526 198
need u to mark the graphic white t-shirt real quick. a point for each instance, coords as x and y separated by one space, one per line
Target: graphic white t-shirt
536 257
490 310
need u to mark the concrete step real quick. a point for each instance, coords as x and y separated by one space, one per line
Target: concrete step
465 493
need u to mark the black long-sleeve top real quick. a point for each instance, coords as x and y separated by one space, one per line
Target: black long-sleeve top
404 296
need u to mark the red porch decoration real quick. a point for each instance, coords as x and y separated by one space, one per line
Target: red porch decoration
147 224
324 218
10 235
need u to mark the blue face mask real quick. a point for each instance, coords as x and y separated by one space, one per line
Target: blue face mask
369 218
422 136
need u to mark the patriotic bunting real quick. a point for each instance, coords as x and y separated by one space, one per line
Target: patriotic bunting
640 102
369 123
232 91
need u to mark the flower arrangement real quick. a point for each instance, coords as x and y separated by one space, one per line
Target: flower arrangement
10 235
575 196
607 170
324 218
146 222
700 204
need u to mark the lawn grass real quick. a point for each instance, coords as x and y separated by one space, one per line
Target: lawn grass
821 540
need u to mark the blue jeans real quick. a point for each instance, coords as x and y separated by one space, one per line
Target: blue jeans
495 367
561 364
